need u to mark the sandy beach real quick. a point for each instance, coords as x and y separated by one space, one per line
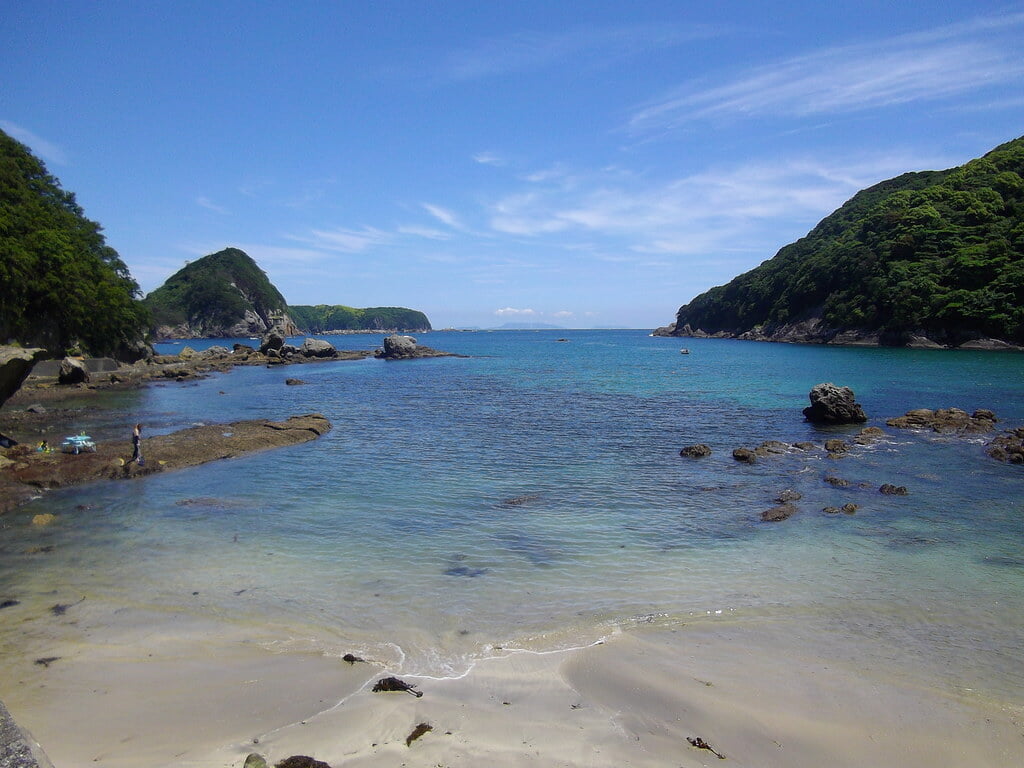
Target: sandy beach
149 691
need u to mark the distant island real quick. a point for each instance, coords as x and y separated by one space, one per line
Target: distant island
226 294
929 259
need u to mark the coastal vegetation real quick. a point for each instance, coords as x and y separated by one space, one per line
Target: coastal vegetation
223 294
226 294
935 253
61 286
323 318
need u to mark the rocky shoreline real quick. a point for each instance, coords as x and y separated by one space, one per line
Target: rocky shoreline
39 409
814 331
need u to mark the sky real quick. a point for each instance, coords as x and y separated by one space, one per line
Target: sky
585 165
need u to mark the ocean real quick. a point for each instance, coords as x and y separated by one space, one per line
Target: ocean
531 495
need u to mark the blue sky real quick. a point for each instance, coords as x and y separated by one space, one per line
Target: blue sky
581 164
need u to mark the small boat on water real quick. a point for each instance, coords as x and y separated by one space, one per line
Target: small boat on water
684 351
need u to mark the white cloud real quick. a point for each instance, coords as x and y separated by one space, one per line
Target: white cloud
563 313
512 312
594 46
721 209
347 240
205 202
442 214
489 158
931 65
427 232
47 150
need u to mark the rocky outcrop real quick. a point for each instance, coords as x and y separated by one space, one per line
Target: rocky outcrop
317 348
72 371
946 421
831 404
178 450
398 347
697 451
781 512
1008 447
15 366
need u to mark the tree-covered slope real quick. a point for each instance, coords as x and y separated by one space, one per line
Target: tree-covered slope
939 253
61 285
223 294
325 317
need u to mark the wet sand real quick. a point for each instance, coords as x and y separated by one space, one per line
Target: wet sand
151 690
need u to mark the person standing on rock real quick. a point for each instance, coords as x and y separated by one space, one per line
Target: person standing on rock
136 446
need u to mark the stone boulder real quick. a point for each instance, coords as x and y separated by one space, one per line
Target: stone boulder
831 404
72 371
397 347
779 513
696 451
273 340
317 348
745 455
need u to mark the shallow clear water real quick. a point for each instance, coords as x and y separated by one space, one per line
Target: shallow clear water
532 495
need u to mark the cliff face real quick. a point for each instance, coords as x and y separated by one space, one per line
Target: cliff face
221 295
934 258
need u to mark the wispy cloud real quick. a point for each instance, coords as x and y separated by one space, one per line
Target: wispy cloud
47 150
346 240
597 46
718 210
513 312
442 214
926 66
427 232
207 203
489 158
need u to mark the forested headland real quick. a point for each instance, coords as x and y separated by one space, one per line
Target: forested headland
62 287
934 256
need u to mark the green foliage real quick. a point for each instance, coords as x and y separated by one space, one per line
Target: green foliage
938 251
325 317
60 283
215 292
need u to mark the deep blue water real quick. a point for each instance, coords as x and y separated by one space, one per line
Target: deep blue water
532 495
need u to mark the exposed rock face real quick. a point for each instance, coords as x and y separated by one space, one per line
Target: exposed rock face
946 421
696 451
72 371
317 348
15 366
831 404
273 340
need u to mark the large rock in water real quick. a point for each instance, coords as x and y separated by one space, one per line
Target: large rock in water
397 347
317 348
833 405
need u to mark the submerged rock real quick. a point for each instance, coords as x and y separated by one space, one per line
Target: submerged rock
831 404
893 490
1008 447
745 455
697 451
781 512
946 420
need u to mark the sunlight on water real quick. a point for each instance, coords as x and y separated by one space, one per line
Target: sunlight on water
532 496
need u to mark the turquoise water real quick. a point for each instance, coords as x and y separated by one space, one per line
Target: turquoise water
531 495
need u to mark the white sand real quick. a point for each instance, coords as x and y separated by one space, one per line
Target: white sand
194 697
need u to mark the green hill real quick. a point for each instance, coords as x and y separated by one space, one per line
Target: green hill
324 318
224 294
936 254
61 286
